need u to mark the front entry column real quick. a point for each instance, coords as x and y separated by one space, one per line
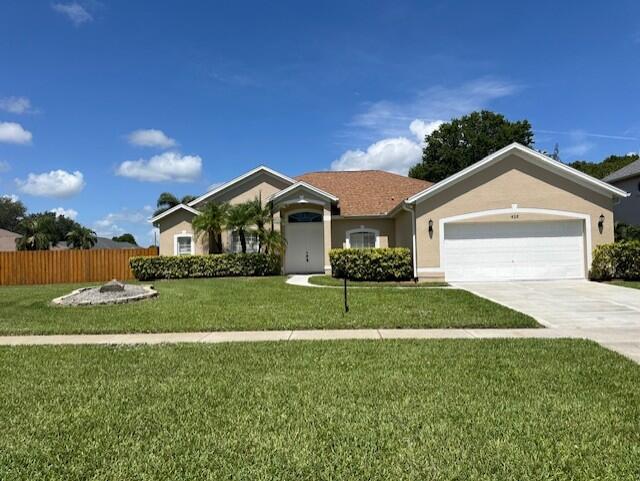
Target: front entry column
326 222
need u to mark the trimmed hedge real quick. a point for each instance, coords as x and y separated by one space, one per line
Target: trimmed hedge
388 264
616 261
215 265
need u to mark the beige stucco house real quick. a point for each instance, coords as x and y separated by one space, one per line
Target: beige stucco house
516 214
628 179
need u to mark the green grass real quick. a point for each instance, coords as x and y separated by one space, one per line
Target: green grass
632 284
250 304
446 410
332 281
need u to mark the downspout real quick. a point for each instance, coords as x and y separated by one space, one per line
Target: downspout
413 238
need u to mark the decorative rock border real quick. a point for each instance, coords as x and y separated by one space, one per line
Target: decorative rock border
149 292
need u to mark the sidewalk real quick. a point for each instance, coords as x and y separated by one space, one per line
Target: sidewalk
623 341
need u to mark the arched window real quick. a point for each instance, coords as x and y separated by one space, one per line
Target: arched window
305 217
362 238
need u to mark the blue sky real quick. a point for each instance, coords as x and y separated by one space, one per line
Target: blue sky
103 105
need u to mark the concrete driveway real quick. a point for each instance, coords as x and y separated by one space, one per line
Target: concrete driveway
604 313
566 304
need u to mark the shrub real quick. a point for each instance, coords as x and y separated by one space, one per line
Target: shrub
625 232
616 261
214 265
389 264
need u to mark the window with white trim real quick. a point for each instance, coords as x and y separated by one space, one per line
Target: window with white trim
362 239
250 237
183 245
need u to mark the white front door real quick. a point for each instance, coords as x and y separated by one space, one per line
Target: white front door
305 247
514 251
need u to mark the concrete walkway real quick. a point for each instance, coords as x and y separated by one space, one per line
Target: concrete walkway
302 280
624 341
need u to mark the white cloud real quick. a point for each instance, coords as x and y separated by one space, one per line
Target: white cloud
168 166
393 154
14 133
74 12
4 166
151 138
387 118
421 129
135 222
68 213
15 105
422 114
57 183
12 197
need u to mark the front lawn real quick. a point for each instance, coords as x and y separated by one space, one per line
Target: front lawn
251 304
351 410
632 284
333 282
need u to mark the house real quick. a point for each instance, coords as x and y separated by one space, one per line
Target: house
627 178
516 214
8 240
8 243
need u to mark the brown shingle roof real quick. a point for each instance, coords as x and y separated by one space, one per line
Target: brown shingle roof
365 192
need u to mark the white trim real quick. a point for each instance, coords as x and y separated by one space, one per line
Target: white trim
172 210
519 210
430 270
303 185
347 242
530 155
175 242
240 178
414 243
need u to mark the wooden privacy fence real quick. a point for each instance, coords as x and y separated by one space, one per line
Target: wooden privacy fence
51 267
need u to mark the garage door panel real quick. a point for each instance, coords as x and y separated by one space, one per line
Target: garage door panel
519 250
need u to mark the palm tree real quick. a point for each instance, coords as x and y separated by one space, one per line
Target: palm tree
167 200
273 242
240 217
262 217
36 234
82 238
211 221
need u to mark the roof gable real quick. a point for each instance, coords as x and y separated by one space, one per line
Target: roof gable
242 178
529 155
173 209
301 185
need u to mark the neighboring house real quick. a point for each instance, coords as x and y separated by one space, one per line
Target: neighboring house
103 243
516 214
8 243
627 178
8 240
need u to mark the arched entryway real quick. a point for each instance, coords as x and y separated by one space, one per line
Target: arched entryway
304 232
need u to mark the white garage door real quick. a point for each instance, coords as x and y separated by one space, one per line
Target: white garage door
514 251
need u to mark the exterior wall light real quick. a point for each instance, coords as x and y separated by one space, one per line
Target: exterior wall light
601 223
430 228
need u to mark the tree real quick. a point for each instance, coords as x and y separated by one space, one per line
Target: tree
125 238
462 142
82 238
11 213
210 222
36 234
608 166
262 217
272 241
239 218
167 200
